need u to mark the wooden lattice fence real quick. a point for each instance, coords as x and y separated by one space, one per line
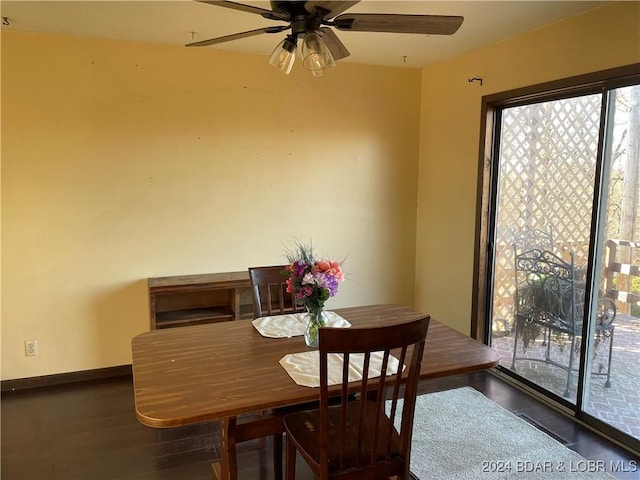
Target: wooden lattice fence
546 182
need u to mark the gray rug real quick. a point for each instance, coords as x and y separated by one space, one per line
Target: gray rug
462 435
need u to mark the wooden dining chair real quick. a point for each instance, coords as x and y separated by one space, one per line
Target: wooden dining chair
269 288
270 297
354 438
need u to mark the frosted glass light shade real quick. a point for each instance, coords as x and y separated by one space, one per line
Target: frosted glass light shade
284 55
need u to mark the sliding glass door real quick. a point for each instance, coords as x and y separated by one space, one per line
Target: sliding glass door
563 283
546 172
617 265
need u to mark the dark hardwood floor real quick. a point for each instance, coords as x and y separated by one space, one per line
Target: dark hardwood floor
89 431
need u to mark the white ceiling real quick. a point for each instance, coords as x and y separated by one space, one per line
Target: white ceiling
181 22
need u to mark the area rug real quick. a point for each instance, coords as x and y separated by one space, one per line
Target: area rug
462 435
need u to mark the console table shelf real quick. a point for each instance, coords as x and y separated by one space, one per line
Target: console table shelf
203 298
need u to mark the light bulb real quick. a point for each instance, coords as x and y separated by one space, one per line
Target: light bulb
284 55
315 54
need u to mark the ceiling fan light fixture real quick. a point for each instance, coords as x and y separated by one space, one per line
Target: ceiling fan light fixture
316 56
284 55
314 21
329 67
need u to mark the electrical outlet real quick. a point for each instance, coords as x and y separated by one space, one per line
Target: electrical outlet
31 348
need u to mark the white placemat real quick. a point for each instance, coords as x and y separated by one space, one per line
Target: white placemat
304 367
292 325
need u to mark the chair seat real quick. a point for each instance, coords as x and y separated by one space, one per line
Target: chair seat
304 426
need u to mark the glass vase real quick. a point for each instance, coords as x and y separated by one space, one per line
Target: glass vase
316 318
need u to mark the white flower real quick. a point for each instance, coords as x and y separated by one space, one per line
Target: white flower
308 279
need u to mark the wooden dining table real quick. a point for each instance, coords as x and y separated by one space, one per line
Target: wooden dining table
221 371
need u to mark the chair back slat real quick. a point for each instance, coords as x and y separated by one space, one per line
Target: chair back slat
269 291
381 396
363 394
395 395
344 400
366 436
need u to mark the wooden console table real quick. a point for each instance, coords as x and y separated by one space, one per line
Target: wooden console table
195 299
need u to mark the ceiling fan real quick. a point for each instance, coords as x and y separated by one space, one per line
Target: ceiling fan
311 21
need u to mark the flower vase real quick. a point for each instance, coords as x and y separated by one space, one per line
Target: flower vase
316 318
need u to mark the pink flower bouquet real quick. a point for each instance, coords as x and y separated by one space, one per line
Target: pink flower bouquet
312 281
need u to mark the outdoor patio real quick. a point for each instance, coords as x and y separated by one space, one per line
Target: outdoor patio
618 405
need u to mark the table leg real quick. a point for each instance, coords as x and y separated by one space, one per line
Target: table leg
227 468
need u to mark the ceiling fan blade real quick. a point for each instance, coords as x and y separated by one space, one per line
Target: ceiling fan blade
398 23
332 8
249 8
335 46
237 36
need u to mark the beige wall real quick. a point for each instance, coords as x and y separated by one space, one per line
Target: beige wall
450 129
123 161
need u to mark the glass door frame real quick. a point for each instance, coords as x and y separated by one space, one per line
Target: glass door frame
601 83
